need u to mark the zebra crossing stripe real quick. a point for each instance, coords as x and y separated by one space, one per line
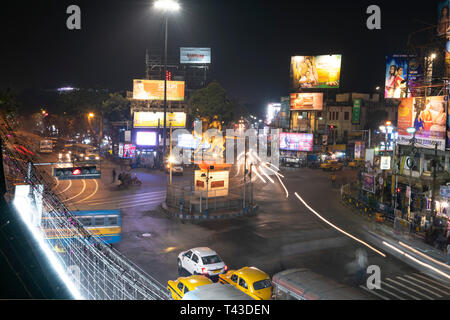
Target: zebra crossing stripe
419 286
409 288
391 293
374 292
427 284
438 283
397 289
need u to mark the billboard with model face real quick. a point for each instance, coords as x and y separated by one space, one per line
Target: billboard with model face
296 141
154 90
315 71
307 101
428 117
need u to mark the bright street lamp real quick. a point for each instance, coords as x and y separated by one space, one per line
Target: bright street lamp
167 5
90 115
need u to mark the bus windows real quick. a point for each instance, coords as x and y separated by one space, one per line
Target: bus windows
99 221
112 220
86 221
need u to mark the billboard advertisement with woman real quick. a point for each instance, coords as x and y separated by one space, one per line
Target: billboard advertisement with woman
315 71
443 18
396 70
428 116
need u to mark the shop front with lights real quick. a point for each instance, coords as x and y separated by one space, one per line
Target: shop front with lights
145 142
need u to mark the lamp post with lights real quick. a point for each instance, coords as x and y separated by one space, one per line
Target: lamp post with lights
410 163
166 6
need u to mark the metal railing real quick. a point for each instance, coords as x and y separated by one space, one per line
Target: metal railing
98 271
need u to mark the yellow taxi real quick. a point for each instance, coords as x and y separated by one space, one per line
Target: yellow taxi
183 285
356 163
331 165
251 281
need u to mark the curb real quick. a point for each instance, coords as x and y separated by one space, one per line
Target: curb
204 217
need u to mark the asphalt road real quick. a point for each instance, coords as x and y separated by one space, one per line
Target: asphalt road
285 234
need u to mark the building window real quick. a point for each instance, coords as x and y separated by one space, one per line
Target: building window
337 115
346 115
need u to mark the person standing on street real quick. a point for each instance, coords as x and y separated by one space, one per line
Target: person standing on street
114 175
448 252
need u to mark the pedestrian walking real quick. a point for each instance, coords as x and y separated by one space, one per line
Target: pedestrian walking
448 252
114 175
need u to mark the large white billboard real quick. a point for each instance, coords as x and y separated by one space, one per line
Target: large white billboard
195 55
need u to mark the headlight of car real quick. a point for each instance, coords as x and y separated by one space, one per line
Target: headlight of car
60 156
97 158
86 158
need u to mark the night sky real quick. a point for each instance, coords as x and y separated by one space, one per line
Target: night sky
251 41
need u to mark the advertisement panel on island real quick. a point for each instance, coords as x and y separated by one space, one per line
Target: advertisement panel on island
429 118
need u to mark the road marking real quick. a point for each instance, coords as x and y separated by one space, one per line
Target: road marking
120 200
68 187
409 288
391 293
397 289
436 282
140 205
374 292
92 194
429 285
125 197
339 229
82 190
421 287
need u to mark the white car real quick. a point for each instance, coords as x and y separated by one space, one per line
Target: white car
204 261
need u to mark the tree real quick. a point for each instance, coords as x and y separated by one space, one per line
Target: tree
210 102
377 118
114 108
9 105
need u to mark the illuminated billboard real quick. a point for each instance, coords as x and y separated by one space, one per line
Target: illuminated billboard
187 141
400 70
155 119
195 55
443 26
428 116
127 150
296 141
306 101
154 90
146 138
315 71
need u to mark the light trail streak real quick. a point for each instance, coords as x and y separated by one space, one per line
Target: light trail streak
262 179
286 190
426 265
424 255
339 229
267 176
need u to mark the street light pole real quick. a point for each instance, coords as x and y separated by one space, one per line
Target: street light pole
165 87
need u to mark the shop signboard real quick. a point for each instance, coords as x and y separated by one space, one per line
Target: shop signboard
385 163
356 112
359 149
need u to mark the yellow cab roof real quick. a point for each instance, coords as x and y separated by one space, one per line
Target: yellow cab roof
195 281
253 274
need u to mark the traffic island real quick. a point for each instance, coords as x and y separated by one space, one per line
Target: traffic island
214 215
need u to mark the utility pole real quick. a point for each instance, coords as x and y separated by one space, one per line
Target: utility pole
434 164
245 172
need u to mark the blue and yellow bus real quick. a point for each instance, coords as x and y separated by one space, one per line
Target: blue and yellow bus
103 224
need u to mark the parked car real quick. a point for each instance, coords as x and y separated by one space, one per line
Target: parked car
182 285
216 291
202 261
250 280
331 165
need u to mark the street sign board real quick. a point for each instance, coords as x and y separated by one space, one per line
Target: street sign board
385 163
